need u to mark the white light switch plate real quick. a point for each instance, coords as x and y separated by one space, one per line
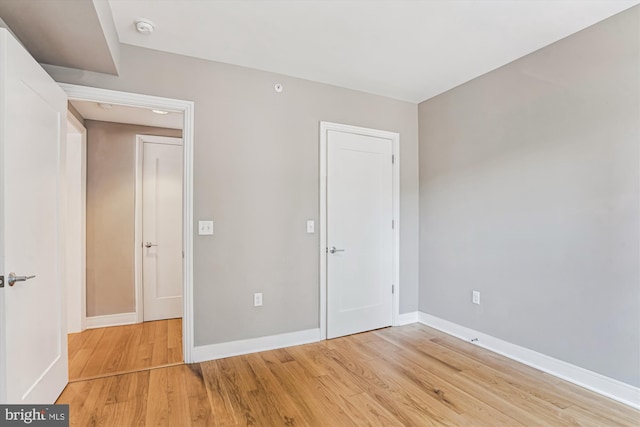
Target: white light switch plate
205 228
475 297
257 299
311 226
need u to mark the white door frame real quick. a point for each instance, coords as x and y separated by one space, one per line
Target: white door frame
325 127
78 315
84 93
140 140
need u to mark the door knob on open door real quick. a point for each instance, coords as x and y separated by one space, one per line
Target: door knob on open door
333 250
12 279
149 244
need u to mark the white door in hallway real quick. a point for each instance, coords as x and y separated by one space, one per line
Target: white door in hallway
33 337
161 227
359 233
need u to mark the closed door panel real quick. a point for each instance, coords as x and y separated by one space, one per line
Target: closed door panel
162 230
359 233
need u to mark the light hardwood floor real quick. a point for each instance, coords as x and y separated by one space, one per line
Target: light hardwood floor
96 353
405 376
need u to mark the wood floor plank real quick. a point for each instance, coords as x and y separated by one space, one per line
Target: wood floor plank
113 354
78 361
129 351
439 381
533 381
200 411
314 361
157 414
160 344
179 412
391 395
148 332
227 404
83 346
174 340
526 377
404 376
593 402
374 413
271 398
575 415
494 389
124 414
96 353
300 386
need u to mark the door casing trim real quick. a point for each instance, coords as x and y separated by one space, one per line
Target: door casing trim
325 127
79 313
85 93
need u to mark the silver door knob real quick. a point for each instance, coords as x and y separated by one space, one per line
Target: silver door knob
149 244
12 279
333 250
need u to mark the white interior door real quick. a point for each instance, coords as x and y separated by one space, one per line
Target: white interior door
162 227
33 340
359 233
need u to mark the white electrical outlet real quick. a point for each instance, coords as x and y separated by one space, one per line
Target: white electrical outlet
205 228
311 226
257 299
476 297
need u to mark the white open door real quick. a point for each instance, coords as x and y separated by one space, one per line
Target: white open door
33 340
161 226
360 238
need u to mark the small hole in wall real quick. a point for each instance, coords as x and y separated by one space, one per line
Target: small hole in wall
278 87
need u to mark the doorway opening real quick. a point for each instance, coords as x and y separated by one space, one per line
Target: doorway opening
175 327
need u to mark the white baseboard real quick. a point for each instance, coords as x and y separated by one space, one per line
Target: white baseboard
614 389
408 318
111 320
254 345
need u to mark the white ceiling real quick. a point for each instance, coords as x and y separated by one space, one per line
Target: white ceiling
130 115
405 49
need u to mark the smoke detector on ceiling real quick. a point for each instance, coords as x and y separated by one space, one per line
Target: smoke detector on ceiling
144 26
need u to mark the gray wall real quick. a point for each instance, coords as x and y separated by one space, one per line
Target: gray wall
256 176
111 161
529 193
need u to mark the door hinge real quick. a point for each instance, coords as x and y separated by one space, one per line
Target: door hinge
393 223
1 281
393 289
393 158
